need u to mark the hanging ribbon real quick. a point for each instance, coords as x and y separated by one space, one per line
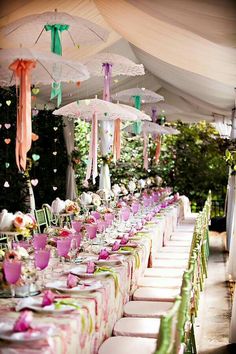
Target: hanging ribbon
158 149
116 141
56 48
154 115
137 126
145 151
22 70
92 159
107 81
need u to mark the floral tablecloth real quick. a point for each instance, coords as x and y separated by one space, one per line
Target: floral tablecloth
84 331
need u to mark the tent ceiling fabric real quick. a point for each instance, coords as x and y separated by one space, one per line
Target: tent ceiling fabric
186 46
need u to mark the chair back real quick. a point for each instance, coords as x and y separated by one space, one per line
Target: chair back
41 219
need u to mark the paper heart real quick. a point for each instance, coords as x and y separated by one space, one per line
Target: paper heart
6 184
8 102
35 157
55 140
55 128
7 141
7 125
0 126
35 112
34 137
34 182
54 153
7 164
35 90
33 98
54 188
55 170
0 104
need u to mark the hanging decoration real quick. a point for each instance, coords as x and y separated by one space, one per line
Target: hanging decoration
92 159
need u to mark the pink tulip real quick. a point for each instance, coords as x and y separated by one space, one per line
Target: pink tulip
72 281
116 246
90 267
48 298
104 254
124 240
23 322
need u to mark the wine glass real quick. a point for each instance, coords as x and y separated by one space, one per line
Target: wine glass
63 248
41 259
12 273
40 241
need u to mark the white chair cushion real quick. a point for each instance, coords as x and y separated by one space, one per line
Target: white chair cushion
128 345
170 263
171 255
155 294
151 309
169 248
159 282
164 272
137 327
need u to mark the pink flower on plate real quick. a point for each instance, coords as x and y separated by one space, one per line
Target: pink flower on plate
72 281
90 267
48 298
124 240
104 254
23 322
116 246
19 220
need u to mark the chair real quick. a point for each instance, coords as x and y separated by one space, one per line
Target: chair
51 219
41 219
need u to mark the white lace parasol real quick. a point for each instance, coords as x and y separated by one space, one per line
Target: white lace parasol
145 95
30 29
49 68
160 108
119 65
156 129
85 109
140 114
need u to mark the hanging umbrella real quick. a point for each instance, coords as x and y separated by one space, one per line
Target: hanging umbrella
160 108
30 30
94 110
108 65
25 67
138 96
36 28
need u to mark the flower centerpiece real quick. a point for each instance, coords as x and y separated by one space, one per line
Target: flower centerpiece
21 223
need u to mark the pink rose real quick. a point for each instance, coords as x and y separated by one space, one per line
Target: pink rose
65 233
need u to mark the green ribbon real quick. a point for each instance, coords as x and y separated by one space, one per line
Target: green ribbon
137 126
56 48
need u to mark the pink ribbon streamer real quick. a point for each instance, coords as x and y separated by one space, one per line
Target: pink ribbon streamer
158 149
116 140
145 151
92 160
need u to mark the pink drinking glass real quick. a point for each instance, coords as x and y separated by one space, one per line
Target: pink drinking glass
76 225
109 217
101 227
96 215
41 260
12 273
135 208
39 241
63 247
91 230
125 214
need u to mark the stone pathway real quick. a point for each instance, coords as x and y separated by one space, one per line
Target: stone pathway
212 323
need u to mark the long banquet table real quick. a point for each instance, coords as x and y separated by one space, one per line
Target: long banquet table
84 331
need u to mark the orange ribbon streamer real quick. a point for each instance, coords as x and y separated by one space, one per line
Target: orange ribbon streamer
116 140
158 149
22 70
145 151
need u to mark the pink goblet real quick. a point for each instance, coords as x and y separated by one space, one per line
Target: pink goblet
41 260
40 241
91 230
96 215
125 214
135 208
63 247
109 217
12 272
76 225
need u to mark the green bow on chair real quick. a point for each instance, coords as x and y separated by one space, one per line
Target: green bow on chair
137 126
56 48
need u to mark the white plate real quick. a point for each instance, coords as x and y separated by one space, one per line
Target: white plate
35 304
61 286
81 272
39 332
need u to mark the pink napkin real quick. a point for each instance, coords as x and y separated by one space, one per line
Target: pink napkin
132 232
23 322
116 246
104 254
124 240
90 267
72 281
48 298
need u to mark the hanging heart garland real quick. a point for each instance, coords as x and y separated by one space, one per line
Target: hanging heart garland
35 157
34 182
6 184
7 125
7 141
